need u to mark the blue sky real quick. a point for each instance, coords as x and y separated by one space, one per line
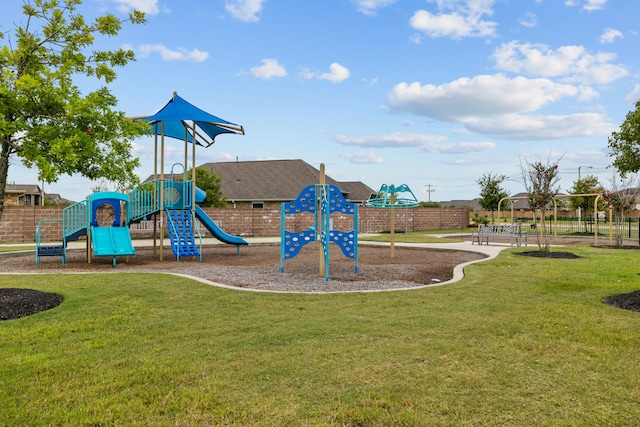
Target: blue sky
428 93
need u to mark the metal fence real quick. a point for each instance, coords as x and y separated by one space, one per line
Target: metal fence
574 226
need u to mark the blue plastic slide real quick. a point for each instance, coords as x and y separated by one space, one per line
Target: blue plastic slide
111 241
217 231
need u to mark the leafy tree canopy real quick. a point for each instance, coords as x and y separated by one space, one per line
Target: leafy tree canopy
587 185
491 192
45 119
625 144
209 182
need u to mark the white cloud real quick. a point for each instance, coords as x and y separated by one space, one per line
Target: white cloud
392 140
634 96
530 20
571 63
536 127
427 143
167 54
269 69
337 73
245 10
464 19
370 7
363 157
594 5
149 7
484 95
610 35
589 5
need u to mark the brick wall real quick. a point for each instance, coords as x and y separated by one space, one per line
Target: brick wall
19 222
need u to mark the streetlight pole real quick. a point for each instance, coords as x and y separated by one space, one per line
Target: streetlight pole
579 207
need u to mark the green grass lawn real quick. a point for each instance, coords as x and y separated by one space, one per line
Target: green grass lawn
520 341
16 248
417 236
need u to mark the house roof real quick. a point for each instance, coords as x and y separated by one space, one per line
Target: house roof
276 180
22 189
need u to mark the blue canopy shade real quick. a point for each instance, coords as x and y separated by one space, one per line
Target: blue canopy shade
185 121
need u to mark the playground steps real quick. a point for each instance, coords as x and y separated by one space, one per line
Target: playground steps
51 250
181 233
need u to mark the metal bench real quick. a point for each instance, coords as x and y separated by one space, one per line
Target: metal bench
513 232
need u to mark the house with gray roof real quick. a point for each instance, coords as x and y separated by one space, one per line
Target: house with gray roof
268 183
23 195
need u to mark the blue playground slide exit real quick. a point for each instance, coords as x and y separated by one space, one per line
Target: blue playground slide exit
115 239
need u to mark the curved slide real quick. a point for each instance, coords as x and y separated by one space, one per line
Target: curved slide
217 231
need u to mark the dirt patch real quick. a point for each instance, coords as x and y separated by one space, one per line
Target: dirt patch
258 267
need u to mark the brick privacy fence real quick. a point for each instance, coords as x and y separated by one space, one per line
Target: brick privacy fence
19 222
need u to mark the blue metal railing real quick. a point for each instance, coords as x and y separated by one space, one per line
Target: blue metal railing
144 200
75 219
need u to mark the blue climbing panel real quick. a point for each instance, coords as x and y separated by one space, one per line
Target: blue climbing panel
331 201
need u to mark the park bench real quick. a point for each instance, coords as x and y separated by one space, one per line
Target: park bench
513 232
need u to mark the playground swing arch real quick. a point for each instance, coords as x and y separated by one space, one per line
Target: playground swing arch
555 211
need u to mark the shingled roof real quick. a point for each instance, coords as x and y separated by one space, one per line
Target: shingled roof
23 189
276 180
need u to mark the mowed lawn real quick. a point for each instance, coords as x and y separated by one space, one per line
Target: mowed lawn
520 341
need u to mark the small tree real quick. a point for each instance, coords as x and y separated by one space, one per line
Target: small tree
587 185
209 182
620 199
491 192
541 183
44 118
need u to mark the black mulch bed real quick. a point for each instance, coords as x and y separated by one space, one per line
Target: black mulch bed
16 303
551 254
629 301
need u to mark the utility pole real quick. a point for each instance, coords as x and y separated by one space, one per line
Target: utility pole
430 189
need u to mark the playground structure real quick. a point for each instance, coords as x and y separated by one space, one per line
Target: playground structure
142 202
174 199
321 200
81 219
392 197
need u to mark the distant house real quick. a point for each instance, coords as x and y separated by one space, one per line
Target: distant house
268 183
23 195
57 200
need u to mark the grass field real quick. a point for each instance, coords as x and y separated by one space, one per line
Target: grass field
520 341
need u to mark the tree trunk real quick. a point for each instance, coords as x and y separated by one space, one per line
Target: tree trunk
4 172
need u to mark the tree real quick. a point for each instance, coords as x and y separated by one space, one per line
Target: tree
45 119
541 183
620 199
625 144
209 182
491 192
587 185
